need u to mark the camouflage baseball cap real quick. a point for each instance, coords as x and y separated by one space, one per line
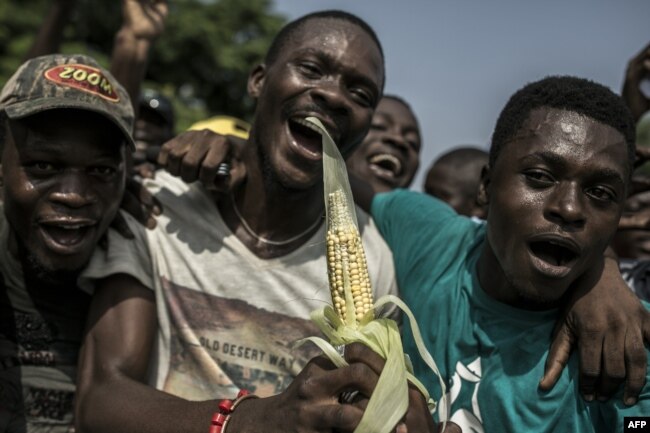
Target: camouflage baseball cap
67 81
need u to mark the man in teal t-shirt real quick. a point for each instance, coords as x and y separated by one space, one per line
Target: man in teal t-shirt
486 297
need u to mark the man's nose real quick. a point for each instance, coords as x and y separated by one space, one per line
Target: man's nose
395 138
333 97
73 190
566 205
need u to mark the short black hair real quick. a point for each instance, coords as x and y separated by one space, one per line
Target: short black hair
408 107
460 157
400 100
569 93
288 31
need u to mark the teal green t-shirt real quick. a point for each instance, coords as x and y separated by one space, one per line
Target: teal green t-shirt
491 355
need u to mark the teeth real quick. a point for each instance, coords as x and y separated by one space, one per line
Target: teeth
68 226
308 124
385 157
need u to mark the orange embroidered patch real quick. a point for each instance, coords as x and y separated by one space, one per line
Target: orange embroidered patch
84 78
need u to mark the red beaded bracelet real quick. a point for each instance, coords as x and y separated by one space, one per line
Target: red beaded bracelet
226 408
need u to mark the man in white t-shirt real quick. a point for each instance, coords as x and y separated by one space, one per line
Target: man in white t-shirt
211 301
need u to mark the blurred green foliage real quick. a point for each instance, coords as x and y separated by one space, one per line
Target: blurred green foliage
201 62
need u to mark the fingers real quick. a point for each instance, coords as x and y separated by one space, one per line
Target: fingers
144 197
208 172
357 352
139 202
450 428
642 155
590 348
613 363
196 155
343 417
320 379
635 363
145 170
190 162
640 183
635 221
558 357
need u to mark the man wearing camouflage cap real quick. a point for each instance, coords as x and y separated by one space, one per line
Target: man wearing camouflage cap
64 126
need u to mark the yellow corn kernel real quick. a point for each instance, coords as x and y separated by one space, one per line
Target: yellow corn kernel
346 262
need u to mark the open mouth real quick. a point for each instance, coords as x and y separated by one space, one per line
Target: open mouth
555 256
66 238
386 165
306 136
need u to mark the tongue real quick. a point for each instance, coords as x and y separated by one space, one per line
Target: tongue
65 236
306 137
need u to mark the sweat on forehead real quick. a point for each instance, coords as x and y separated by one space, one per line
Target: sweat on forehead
564 93
288 32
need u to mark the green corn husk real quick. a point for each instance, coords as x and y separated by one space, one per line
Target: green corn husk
389 401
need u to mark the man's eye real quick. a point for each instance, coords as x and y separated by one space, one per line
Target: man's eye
377 126
539 177
42 166
601 193
413 141
415 145
363 97
310 70
102 170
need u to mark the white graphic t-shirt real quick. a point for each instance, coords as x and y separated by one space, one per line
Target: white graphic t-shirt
227 319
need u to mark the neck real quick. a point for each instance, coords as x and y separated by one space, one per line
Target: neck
272 212
496 284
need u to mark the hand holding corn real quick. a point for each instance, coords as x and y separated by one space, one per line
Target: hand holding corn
352 318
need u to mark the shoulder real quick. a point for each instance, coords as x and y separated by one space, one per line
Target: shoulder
179 200
407 207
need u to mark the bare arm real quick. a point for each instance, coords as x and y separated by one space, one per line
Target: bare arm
610 325
637 69
112 394
143 21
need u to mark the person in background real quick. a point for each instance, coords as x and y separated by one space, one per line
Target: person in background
389 156
153 127
455 177
638 71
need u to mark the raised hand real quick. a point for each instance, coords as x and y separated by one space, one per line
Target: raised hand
145 19
638 69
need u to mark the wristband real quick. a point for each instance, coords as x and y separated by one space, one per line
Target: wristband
226 408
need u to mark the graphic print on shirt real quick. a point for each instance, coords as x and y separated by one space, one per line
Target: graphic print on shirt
218 345
464 388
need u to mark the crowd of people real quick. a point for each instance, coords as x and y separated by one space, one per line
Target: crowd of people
154 282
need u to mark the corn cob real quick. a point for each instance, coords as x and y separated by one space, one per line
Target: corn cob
346 260
351 318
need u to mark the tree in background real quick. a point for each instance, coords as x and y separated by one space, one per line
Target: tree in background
201 62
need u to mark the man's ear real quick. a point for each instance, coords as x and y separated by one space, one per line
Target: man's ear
256 80
483 196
